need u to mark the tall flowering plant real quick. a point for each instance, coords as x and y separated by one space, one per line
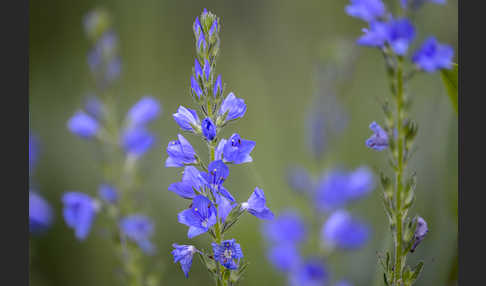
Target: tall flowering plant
121 144
212 208
393 36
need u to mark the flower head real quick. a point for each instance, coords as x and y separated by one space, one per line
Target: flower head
187 119
217 174
227 252
137 141
144 111
79 212
207 70
192 180
288 227
375 36
343 231
367 10
400 35
196 89
420 232
180 153
256 205
108 193
237 150
183 255
200 217
218 86
433 56
83 125
310 273
235 107
40 213
139 228
225 203
284 257
208 129
300 180
197 69
379 140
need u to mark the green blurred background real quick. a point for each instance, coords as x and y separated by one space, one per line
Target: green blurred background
269 52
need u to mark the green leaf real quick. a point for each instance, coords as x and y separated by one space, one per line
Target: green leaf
450 79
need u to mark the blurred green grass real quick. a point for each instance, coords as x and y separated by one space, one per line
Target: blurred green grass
268 54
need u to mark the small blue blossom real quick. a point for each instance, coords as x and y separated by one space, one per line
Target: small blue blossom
227 252
421 231
207 70
217 174
180 153
360 183
300 180
237 150
40 213
197 27
192 180
343 231
196 89
284 257
225 205
187 119
400 35
208 129
288 227
379 140
144 111
214 28
83 125
367 10
257 205
79 212
310 273
200 217
137 141
235 107
139 228
201 41
375 36
218 86
108 193
197 69
183 255
433 56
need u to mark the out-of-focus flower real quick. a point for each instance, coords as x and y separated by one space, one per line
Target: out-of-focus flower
79 213
343 231
288 227
183 255
310 273
257 205
433 56
144 111
137 141
400 35
83 125
40 213
300 180
108 193
200 217
139 228
284 257
228 253
367 10
375 36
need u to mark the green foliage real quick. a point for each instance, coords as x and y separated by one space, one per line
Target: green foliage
450 79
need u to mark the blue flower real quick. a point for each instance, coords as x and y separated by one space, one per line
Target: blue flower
197 69
375 36
237 150
379 140
187 119
343 231
256 205
144 111
79 212
400 35
137 141
208 129
218 86
139 229
300 180
183 255
207 69
235 107
180 153
217 174
33 152
284 257
227 252
197 27
214 28
288 227
225 203
433 56
200 217
310 273
83 125
420 232
196 89
367 10
108 193
337 187
192 180
40 213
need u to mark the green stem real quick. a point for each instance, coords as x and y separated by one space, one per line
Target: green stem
399 177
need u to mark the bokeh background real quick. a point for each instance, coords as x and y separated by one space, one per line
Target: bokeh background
269 53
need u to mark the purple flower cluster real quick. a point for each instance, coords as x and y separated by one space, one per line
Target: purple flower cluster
213 209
